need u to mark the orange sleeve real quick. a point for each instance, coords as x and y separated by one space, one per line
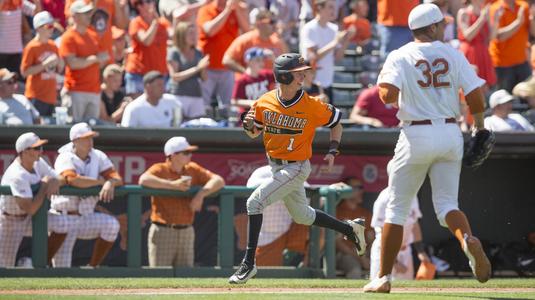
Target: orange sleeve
234 50
69 175
28 57
68 45
111 173
133 28
200 175
156 169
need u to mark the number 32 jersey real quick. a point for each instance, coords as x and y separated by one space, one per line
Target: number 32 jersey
429 76
289 127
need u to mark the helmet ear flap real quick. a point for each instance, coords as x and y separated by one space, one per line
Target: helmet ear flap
284 77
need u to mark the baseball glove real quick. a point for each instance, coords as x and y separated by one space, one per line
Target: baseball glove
479 148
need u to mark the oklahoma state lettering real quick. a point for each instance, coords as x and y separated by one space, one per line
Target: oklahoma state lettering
277 123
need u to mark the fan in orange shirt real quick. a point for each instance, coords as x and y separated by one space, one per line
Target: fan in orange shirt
358 20
288 118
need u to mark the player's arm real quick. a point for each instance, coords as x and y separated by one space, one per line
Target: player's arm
232 64
249 124
418 244
213 185
150 180
76 180
388 93
476 103
113 179
26 203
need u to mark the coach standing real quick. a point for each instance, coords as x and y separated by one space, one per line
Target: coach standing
171 239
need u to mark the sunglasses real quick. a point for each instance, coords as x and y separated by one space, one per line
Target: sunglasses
48 26
186 153
40 148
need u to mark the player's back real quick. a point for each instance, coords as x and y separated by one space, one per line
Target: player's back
429 76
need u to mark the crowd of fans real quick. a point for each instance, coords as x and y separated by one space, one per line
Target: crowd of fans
215 56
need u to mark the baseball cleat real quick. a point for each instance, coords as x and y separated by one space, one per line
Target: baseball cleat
378 285
244 273
477 259
357 237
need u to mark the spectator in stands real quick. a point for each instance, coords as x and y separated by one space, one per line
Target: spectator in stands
475 30
187 68
219 23
357 20
347 260
56 9
11 24
502 118
255 81
370 110
120 46
83 58
40 63
180 10
112 99
286 14
508 49
83 166
105 14
279 231
15 109
148 33
262 36
393 27
321 43
526 90
28 169
152 108
171 238
449 29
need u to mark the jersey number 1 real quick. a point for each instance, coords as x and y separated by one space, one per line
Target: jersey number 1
291 145
432 72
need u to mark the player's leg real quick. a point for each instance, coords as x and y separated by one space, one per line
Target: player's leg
58 226
271 254
105 229
445 186
186 247
162 245
11 233
63 257
375 256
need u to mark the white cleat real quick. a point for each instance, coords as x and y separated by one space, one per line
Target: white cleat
244 273
358 235
477 259
378 285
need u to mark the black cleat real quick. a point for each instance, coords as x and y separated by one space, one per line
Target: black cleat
357 237
244 273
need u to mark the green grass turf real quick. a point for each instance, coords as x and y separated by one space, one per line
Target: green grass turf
131 283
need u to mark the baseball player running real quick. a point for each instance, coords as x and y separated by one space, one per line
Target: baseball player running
288 117
17 210
83 167
423 78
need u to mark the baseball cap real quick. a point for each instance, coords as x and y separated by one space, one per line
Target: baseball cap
28 140
500 97
81 130
42 18
151 76
424 15
6 75
291 62
177 144
253 53
80 7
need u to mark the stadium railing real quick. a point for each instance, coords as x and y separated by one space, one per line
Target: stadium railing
226 243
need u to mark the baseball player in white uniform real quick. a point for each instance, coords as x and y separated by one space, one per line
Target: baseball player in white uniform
83 167
17 210
423 78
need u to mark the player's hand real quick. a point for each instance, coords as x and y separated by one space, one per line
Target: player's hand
107 193
330 159
248 120
182 184
196 203
51 61
52 186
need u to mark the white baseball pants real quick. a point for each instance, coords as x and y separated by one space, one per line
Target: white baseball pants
87 227
436 150
13 229
404 257
287 184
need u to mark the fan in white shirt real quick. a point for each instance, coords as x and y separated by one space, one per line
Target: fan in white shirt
502 118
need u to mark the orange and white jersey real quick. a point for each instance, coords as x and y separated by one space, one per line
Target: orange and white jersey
429 76
289 126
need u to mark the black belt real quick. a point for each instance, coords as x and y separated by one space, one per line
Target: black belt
282 162
174 226
429 122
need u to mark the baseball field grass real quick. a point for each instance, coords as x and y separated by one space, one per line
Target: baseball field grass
257 289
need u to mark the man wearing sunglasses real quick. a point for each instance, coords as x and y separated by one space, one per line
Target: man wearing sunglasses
171 236
15 109
16 211
84 166
40 64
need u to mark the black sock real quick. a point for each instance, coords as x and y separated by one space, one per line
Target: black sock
327 221
253 231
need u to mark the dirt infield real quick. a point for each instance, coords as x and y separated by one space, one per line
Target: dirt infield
189 291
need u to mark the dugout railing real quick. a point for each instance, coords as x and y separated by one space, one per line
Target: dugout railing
226 242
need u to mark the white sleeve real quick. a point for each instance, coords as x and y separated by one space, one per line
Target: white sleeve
104 163
127 120
63 163
391 71
307 41
468 78
21 188
45 169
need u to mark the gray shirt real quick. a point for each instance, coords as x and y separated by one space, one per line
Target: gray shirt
17 110
191 86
